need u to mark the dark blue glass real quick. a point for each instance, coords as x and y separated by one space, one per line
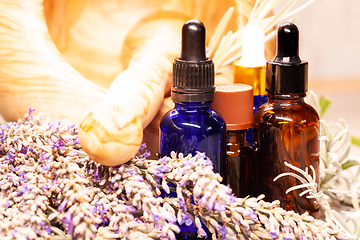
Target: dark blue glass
192 127
258 101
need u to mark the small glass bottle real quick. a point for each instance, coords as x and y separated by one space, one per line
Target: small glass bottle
285 128
250 69
234 102
192 125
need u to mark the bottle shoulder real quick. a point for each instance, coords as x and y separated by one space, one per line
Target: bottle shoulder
275 112
193 115
176 120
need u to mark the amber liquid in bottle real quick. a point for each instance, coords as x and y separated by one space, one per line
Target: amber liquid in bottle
238 162
285 129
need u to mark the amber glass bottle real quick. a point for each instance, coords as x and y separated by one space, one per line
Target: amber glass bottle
234 102
250 69
285 128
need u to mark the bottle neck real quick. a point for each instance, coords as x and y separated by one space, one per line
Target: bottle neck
299 97
236 136
192 105
236 139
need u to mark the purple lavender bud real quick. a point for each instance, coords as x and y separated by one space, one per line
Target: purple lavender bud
201 233
183 183
252 214
223 231
96 175
105 222
142 147
219 207
55 125
189 162
22 176
173 219
62 205
68 223
10 155
130 208
13 233
102 209
58 144
163 160
42 157
54 182
146 154
94 209
163 168
24 188
231 198
187 220
140 178
159 175
156 217
210 206
182 204
14 169
45 167
31 110
132 171
3 127
23 150
273 234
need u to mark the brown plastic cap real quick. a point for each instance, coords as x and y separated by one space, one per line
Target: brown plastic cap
234 102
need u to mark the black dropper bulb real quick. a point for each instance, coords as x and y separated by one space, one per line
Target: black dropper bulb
288 44
193 72
193 41
286 73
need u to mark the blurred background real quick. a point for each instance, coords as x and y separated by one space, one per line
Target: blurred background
330 42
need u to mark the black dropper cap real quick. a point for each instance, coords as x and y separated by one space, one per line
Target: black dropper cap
286 73
193 72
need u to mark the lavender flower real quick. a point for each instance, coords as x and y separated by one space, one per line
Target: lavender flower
50 188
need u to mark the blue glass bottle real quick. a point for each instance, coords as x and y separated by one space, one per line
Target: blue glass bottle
192 126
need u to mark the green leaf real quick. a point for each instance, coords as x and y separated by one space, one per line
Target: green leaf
355 141
324 104
349 164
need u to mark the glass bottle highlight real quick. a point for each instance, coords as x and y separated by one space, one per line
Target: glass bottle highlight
234 102
285 128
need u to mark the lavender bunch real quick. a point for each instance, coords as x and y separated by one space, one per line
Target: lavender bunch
226 216
43 188
50 189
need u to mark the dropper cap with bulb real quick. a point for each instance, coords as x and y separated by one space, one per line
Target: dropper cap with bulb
253 47
250 69
286 73
193 72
